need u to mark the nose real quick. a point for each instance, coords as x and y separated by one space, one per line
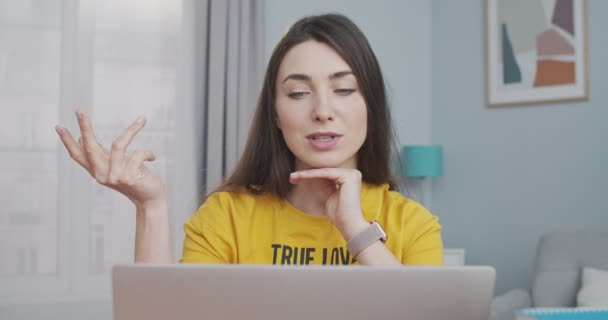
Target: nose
322 110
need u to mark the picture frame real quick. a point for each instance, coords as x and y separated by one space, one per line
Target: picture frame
536 51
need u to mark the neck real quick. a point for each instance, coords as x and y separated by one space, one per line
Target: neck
309 196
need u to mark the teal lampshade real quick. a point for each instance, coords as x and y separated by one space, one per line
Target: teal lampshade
422 161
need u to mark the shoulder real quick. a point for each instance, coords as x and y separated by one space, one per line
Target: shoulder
391 206
227 198
378 197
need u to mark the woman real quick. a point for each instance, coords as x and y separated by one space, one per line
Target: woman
313 185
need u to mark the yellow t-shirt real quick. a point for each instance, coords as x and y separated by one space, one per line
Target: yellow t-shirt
240 227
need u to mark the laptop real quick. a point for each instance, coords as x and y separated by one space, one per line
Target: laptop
231 292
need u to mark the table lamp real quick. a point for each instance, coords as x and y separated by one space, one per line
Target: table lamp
422 161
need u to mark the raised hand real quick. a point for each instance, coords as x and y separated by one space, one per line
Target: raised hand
113 168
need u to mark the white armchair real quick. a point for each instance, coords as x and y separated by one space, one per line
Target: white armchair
559 261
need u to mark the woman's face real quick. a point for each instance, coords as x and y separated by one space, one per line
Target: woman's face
320 109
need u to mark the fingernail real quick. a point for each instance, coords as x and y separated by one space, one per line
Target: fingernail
140 119
78 114
58 129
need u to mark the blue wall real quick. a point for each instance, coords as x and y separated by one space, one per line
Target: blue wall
512 173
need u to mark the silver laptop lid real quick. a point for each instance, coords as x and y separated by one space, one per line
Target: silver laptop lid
231 292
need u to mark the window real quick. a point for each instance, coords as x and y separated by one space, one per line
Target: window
60 232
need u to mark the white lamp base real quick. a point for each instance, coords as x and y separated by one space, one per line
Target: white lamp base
454 257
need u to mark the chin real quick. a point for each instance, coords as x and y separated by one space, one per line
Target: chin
325 163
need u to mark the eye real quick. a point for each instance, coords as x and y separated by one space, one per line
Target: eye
344 92
297 95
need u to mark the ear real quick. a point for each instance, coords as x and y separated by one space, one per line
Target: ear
278 123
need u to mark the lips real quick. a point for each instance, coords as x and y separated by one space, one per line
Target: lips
323 135
323 140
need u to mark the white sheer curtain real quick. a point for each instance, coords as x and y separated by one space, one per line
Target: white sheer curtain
60 232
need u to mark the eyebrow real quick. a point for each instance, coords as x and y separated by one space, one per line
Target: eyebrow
305 77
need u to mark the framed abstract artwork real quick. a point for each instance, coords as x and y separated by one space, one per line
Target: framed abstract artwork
536 51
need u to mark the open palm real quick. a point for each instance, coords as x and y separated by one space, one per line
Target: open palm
114 168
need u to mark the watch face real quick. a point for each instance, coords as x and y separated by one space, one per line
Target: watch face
384 236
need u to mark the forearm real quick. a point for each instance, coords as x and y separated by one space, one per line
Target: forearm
152 234
377 254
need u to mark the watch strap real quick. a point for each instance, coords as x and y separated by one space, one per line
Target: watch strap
366 238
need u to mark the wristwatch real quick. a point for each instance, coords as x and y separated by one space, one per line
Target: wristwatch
366 238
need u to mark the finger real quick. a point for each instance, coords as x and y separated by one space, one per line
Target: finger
334 174
116 164
105 151
74 149
88 142
132 169
119 146
122 142
92 150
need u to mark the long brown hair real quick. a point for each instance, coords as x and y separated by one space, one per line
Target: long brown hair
267 162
